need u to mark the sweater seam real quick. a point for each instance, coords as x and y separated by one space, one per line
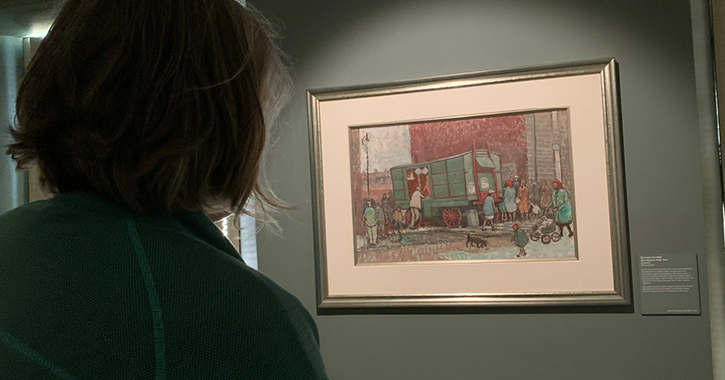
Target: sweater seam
154 302
157 227
36 357
193 237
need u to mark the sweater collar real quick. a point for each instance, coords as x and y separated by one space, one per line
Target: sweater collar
193 222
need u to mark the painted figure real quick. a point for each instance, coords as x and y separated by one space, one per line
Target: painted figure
426 190
545 196
380 216
371 223
534 192
501 212
416 205
489 210
398 218
535 211
562 207
523 197
520 239
516 215
388 204
509 200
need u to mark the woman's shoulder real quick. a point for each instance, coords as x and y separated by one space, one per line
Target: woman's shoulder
211 296
179 270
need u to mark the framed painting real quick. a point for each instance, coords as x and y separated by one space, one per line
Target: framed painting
490 188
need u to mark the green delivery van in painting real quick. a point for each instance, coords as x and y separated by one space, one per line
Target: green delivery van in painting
449 186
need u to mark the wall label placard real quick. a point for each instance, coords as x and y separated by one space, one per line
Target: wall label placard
669 284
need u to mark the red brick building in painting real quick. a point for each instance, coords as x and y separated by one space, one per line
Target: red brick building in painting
532 145
504 135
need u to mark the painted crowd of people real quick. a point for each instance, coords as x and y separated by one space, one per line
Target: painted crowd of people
526 201
382 214
520 201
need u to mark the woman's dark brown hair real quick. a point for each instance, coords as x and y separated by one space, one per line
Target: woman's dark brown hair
159 105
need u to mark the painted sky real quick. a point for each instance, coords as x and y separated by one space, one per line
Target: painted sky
389 146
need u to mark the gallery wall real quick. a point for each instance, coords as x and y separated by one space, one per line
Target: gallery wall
343 42
12 182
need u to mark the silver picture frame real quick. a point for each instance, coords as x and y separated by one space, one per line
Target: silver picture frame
618 294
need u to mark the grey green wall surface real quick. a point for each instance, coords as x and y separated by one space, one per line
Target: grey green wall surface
345 42
12 182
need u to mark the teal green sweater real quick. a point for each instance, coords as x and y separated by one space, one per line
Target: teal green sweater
90 290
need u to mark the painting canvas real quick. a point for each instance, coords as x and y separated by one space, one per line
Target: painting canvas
491 188
483 188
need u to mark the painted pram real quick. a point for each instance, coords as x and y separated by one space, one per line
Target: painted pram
545 231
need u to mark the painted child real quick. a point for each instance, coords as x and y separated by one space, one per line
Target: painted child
520 239
398 218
